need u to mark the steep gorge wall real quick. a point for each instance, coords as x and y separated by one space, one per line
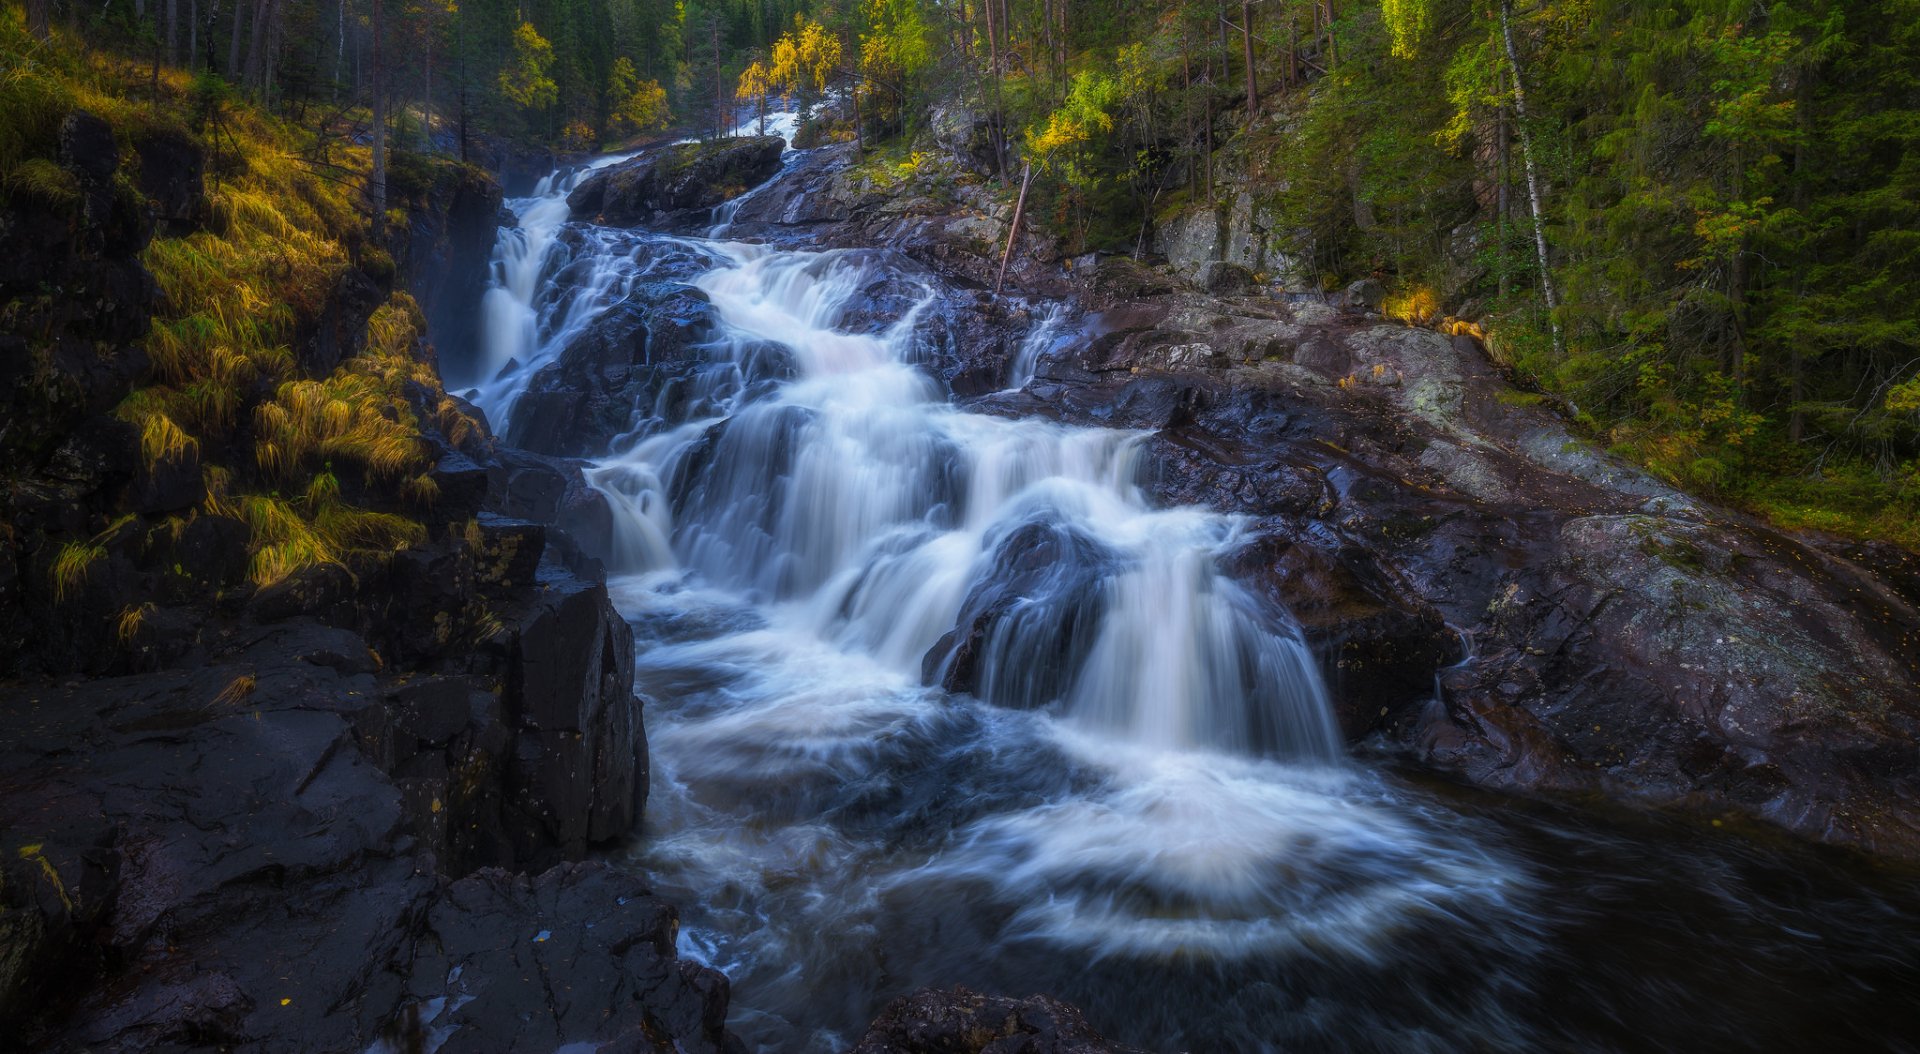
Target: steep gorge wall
276 815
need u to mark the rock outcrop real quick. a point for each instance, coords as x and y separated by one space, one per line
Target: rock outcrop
1593 629
453 213
620 368
675 179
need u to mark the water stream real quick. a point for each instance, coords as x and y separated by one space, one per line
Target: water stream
1145 808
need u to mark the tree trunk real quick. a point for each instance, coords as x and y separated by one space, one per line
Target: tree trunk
1293 51
1797 364
719 90
1503 178
270 59
1246 43
859 123
1533 181
426 96
1061 62
37 20
340 47
1206 78
1737 294
377 179
1013 229
1333 51
233 42
256 41
1186 106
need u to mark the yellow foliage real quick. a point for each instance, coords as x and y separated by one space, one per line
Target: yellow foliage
756 82
132 617
1413 306
237 689
162 440
806 57
71 564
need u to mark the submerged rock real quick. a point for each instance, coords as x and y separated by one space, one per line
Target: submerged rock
615 373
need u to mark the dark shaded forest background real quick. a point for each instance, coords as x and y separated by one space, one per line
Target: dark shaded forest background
1695 225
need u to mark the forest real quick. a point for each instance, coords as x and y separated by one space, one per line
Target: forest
1694 224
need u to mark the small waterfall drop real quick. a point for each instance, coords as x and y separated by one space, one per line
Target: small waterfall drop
1039 342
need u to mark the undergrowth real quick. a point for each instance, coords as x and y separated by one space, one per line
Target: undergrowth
279 451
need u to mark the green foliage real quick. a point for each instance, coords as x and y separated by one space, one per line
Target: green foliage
525 79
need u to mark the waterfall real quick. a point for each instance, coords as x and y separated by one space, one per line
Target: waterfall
1039 342
1148 765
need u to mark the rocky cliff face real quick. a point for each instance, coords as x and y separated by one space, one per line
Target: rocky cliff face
304 816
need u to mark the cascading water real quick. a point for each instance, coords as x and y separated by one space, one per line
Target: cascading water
1142 806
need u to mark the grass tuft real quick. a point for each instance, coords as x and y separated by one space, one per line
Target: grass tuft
71 565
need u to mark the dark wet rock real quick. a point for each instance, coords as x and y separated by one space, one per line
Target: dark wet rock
1325 357
966 134
578 776
67 358
168 484
528 486
677 178
943 217
1625 639
517 166
1222 278
960 1021
244 847
339 331
239 843
1365 295
1722 668
583 954
1040 602
453 213
1194 466
615 373
171 175
1378 643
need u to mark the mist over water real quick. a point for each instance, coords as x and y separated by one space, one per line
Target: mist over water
1144 808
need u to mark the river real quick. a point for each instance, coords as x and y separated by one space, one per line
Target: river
1146 809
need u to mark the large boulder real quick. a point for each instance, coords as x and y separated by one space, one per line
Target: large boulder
613 374
675 178
1672 661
